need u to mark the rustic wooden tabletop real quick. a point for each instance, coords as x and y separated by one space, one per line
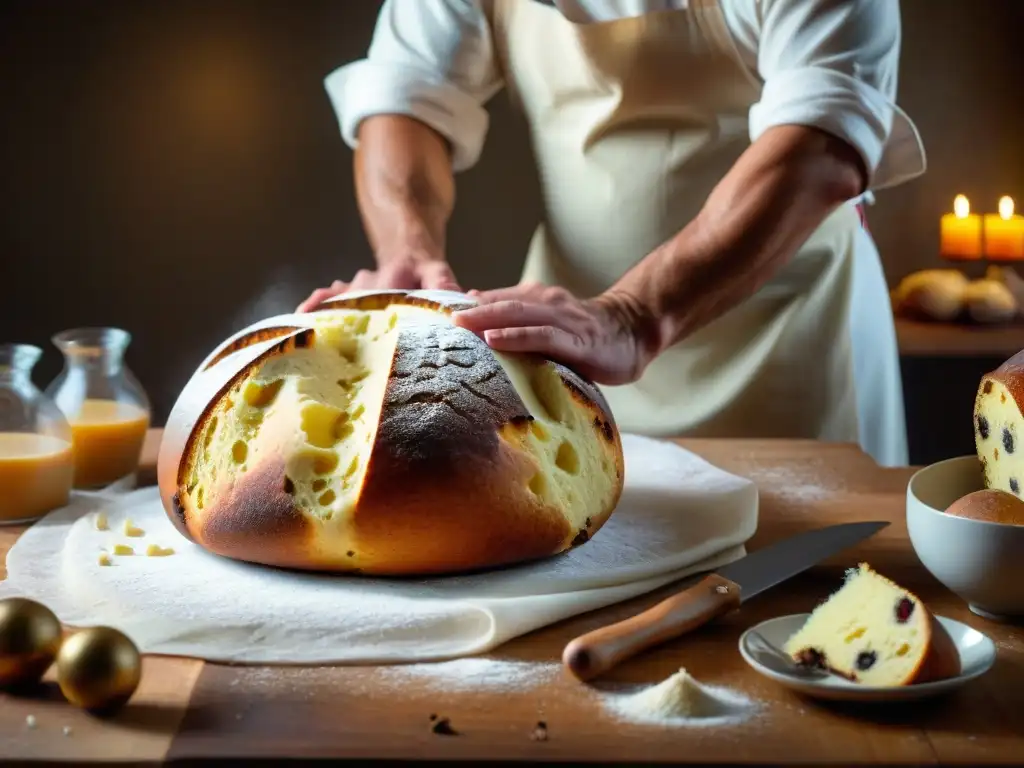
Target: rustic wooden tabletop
187 710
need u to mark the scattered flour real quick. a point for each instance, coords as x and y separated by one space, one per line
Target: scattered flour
792 484
682 700
475 673
458 675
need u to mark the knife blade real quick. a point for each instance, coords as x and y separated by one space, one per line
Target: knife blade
713 596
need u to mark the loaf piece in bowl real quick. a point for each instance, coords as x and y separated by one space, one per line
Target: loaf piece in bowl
872 631
375 436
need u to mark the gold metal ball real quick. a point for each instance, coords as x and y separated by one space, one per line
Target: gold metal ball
30 637
98 668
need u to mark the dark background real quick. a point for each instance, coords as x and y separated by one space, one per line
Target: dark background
173 167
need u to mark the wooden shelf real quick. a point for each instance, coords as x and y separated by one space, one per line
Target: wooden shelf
921 339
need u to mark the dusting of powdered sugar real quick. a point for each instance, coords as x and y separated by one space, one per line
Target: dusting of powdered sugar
680 700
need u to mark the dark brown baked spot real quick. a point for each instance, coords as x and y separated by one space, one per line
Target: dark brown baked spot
866 660
350 553
581 538
904 609
443 727
588 522
811 657
178 509
983 427
605 428
1007 440
987 388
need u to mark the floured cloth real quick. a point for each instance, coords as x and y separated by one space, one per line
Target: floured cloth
678 515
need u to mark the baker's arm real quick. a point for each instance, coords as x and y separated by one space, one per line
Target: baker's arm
405 187
825 129
774 197
821 134
413 112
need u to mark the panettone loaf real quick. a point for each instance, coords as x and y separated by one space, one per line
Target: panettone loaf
374 435
999 426
874 632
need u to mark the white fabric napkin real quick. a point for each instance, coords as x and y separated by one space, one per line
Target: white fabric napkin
678 515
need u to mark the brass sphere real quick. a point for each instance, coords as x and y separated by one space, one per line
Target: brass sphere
30 637
98 668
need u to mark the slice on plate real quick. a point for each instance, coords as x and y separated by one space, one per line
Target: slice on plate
875 632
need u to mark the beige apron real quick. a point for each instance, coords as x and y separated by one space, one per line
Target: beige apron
633 122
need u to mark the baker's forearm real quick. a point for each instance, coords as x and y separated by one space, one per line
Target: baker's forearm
404 187
765 208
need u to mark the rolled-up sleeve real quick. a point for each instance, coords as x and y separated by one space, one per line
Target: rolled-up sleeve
833 64
429 59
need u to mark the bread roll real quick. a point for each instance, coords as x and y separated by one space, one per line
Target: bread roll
933 294
991 506
375 436
999 426
989 301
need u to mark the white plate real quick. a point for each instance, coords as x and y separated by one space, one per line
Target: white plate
977 655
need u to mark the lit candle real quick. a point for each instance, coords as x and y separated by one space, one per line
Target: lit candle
961 231
1004 233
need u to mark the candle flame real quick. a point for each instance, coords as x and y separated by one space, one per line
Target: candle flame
1006 207
961 206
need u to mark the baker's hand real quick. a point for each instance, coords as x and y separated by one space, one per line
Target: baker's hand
605 339
405 274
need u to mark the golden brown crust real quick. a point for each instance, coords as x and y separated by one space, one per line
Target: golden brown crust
1011 375
256 521
990 505
943 659
248 340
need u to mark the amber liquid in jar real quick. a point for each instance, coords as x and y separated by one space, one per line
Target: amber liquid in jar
105 406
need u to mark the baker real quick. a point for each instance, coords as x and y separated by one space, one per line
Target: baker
702 254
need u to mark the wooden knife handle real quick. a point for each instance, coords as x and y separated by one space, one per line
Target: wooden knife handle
596 652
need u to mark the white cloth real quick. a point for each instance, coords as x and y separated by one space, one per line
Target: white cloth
832 64
678 515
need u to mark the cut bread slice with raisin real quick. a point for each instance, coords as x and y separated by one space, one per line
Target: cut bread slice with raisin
999 426
875 632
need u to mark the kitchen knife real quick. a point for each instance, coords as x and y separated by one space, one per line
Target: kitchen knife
715 595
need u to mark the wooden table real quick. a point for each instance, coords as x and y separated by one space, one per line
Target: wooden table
921 339
186 709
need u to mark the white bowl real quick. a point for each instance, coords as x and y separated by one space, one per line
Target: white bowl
981 562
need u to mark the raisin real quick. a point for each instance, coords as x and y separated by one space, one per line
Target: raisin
811 657
866 660
904 608
1007 440
983 427
987 388
581 538
1015 486
288 486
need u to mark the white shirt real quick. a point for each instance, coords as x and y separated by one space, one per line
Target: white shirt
831 64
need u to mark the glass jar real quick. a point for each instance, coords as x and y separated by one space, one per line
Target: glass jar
36 458
106 407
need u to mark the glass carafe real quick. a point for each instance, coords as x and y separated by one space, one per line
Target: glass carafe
36 459
106 407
